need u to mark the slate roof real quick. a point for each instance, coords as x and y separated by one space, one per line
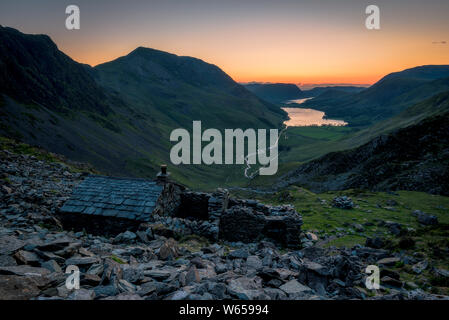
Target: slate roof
133 199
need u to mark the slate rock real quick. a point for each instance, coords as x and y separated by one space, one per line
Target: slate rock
389 261
6 260
14 287
424 218
419 267
239 254
376 242
10 244
124 296
192 276
245 288
254 262
82 294
24 270
386 280
51 265
105 291
81 261
179 295
294 287
27 257
157 274
169 250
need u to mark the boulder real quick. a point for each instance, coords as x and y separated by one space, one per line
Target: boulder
192 276
245 288
82 294
389 281
169 250
376 243
24 270
293 287
254 262
14 287
388 261
27 257
419 267
343 202
81 261
424 218
10 244
239 254
51 265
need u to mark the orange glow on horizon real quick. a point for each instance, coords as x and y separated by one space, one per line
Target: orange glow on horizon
301 41
290 51
348 63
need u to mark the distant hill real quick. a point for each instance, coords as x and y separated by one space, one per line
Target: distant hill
413 157
280 93
386 98
317 91
118 116
275 92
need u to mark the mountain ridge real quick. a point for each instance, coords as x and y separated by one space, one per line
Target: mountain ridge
388 97
135 102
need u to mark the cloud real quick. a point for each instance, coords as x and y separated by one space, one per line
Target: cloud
439 42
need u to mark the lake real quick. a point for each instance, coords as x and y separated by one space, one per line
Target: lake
309 117
298 101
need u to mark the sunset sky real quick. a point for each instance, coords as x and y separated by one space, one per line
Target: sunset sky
319 41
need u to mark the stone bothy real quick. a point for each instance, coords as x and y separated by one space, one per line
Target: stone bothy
110 205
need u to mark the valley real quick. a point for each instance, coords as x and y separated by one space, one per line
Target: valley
370 187
242 153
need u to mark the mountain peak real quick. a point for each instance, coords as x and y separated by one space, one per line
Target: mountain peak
424 72
146 52
36 72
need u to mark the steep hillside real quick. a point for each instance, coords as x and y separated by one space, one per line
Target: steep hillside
119 116
34 71
388 97
176 90
433 106
412 158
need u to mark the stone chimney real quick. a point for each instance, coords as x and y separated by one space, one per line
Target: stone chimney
163 175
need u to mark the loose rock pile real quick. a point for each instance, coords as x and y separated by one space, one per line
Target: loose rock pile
343 202
150 265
